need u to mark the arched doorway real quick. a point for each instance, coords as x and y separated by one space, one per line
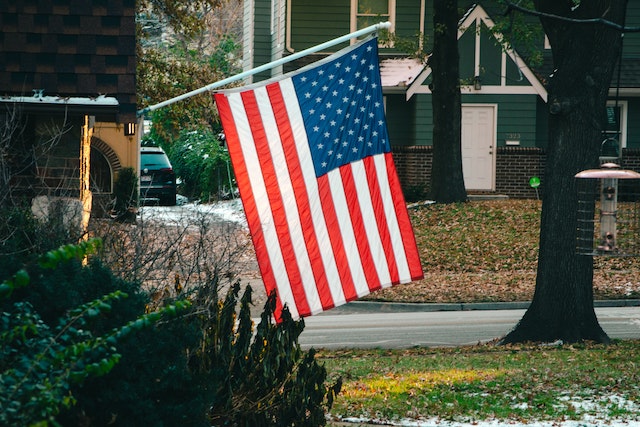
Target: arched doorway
105 164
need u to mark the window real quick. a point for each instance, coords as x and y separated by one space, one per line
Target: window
370 12
614 134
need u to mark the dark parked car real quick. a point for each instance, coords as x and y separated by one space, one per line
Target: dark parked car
157 178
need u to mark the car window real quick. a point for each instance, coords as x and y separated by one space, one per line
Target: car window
154 161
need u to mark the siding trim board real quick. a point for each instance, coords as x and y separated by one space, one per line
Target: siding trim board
476 17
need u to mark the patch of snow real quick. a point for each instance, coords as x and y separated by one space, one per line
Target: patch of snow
629 288
181 200
592 410
225 211
438 422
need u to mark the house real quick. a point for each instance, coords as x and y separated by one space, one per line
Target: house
504 100
68 85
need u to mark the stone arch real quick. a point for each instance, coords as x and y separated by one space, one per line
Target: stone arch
105 164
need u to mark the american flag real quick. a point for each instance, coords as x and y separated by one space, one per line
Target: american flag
313 164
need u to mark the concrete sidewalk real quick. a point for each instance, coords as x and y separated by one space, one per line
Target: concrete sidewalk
396 307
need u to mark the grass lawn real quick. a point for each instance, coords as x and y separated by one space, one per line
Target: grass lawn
518 385
487 251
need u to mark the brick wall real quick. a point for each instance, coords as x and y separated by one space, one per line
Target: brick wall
414 169
631 159
514 167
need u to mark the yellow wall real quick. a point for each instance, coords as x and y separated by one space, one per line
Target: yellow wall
125 147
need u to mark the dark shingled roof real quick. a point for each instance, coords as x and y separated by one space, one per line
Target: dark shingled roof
629 76
78 48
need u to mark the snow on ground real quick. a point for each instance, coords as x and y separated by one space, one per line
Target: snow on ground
227 211
592 410
436 422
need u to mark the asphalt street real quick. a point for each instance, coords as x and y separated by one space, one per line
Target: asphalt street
381 326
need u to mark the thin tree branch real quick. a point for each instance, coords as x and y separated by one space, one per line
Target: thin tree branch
624 29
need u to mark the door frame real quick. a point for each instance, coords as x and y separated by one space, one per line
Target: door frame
494 132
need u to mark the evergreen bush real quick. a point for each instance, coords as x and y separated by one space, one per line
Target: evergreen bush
266 380
40 361
200 369
202 163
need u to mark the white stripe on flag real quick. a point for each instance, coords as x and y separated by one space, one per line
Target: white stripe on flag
346 230
370 223
392 220
289 201
262 201
311 184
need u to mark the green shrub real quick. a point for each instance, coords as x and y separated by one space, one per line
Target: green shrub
267 380
198 370
19 238
152 384
202 163
40 361
23 237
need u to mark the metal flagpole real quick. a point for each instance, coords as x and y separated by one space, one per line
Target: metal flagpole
268 66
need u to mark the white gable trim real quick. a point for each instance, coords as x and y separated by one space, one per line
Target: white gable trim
473 19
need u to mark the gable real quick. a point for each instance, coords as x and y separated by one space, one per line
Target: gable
487 56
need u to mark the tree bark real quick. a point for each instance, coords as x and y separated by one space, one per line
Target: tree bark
584 57
447 181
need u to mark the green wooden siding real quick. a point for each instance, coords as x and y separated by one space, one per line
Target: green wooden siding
516 119
424 120
316 22
401 119
523 117
516 116
631 46
490 58
514 75
262 37
408 18
467 49
633 125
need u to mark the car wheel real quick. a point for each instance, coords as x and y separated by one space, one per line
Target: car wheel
169 200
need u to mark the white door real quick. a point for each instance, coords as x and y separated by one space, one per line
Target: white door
478 146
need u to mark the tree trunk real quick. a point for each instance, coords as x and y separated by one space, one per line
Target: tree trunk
447 181
584 59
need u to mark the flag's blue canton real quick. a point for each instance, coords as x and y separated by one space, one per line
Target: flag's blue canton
343 110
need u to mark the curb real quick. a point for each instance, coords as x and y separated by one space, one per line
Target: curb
356 307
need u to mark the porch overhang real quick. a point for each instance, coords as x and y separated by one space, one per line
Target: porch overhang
397 74
96 106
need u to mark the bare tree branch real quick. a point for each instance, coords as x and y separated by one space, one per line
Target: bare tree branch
624 29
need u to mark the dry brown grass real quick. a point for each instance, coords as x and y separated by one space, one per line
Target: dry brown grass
486 251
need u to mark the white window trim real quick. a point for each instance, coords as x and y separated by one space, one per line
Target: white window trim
354 16
276 17
624 108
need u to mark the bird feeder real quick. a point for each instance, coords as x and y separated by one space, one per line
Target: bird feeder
608 220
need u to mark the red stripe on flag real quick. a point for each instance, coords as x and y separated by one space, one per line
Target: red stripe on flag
301 194
406 229
275 202
351 195
381 218
248 199
337 243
